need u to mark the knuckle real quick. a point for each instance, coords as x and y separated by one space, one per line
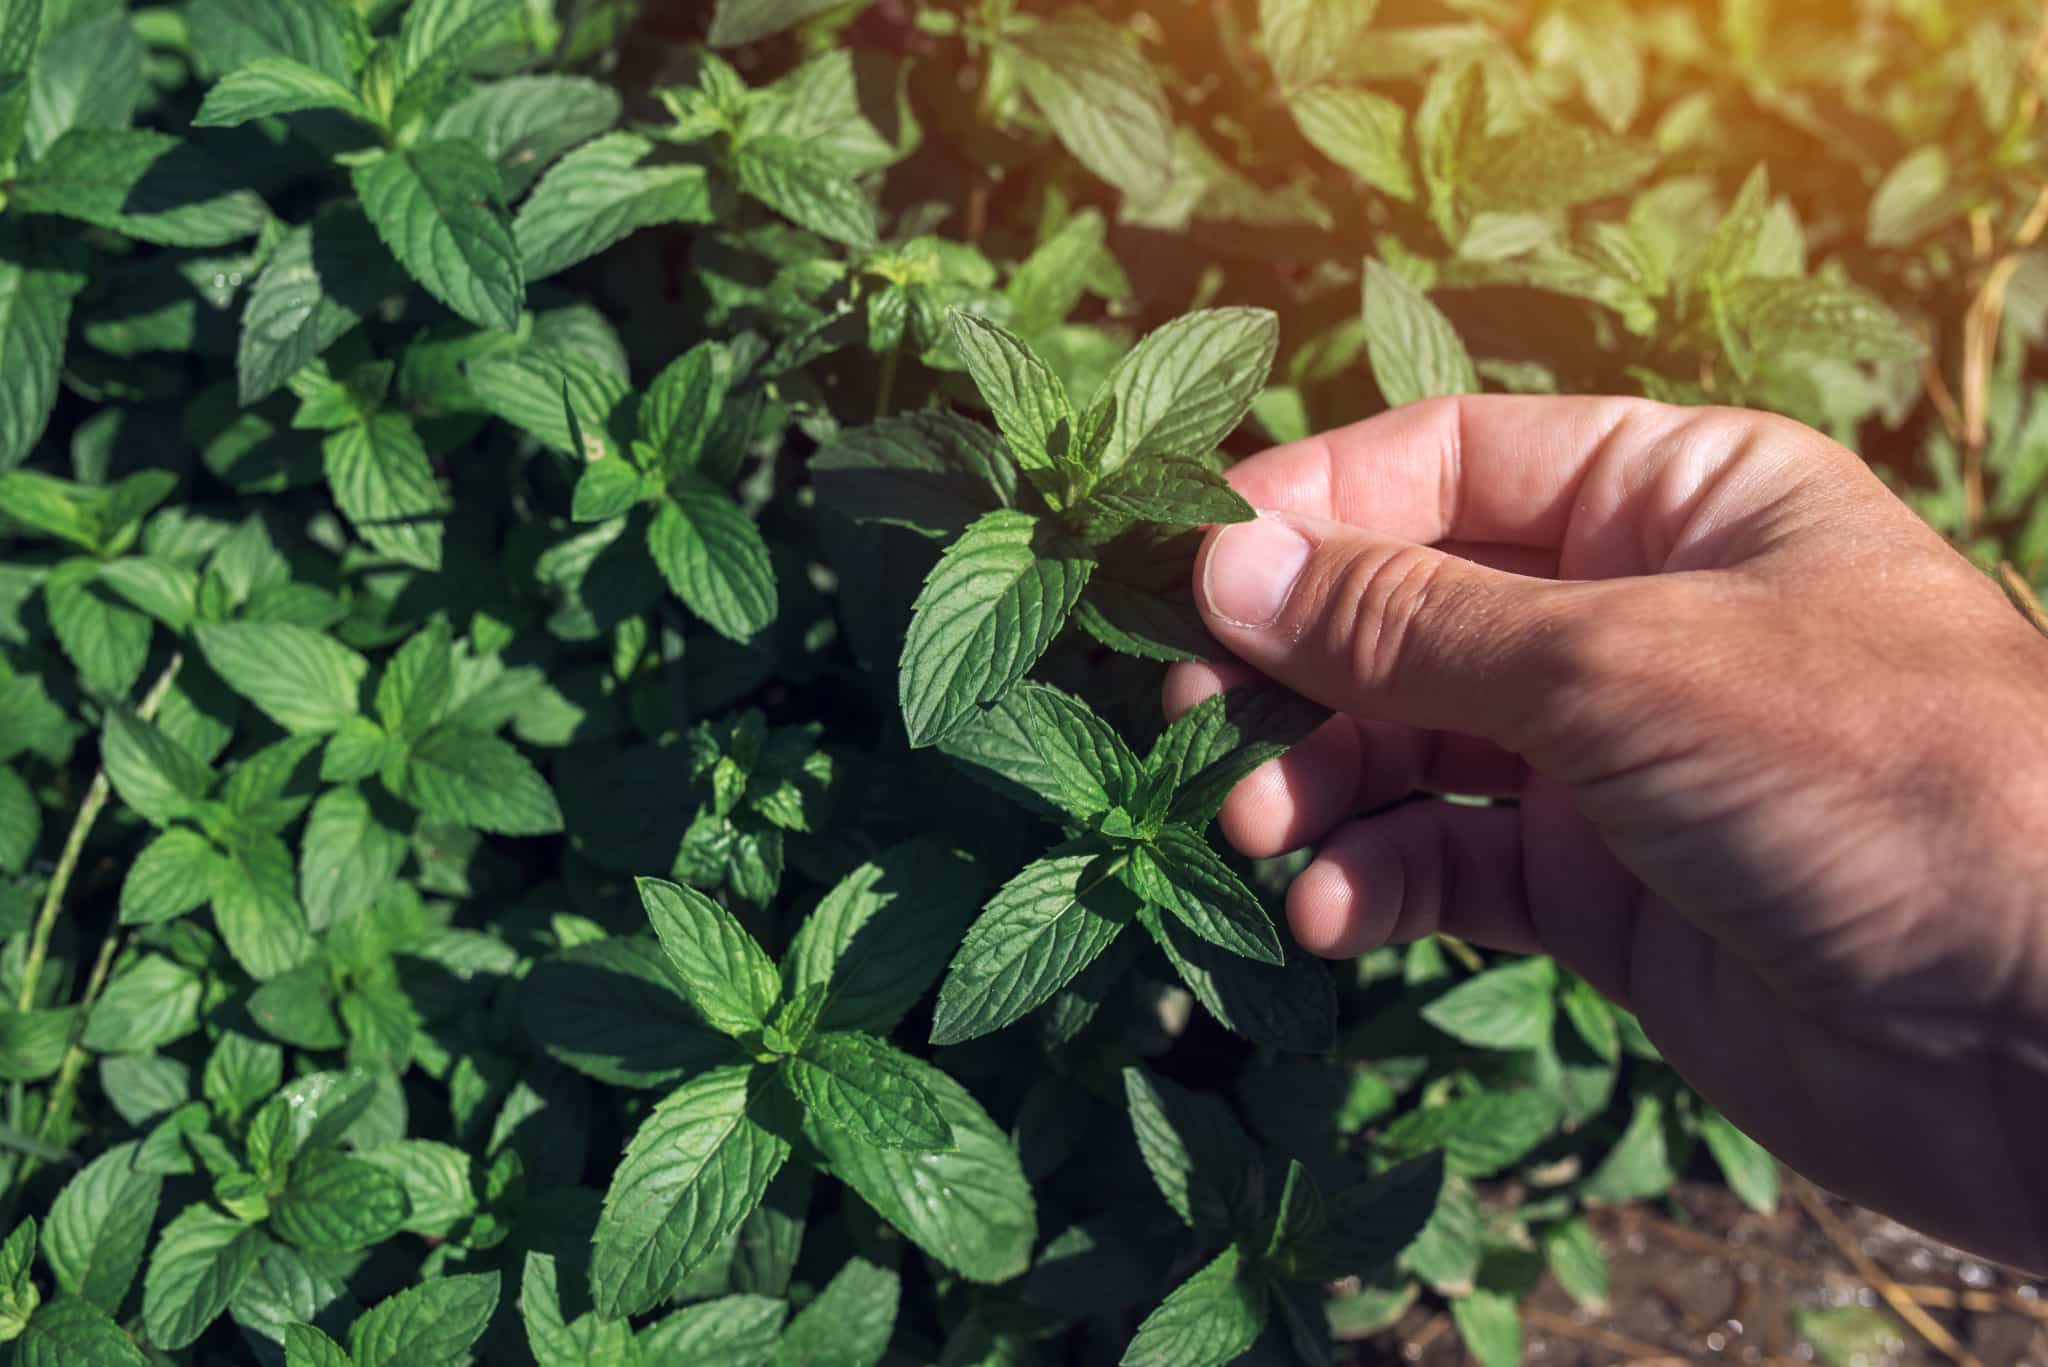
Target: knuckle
1387 599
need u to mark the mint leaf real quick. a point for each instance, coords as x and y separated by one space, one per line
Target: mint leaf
1572 1252
479 781
681 409
996 600
723 972
147 1005
321 281
608 487
1221 740
1366 1227
732 1329
383 483
1187 386
1292 1007
199 1260
337 1204
858 1085
850 1321
1301 1211
883 933
435 205
1306 40
1490 1326
735 23
1179 871
1415 352
35 312
1364 133
106 640
1209 1320
695 1168
1044 926
1509 1007
348 856
88 75
1102 99
323 34
598 196
433 1324
807 186
257 911
1196 1152
74 1333
1028 401
615 1010
435 40
1751 1171
933 473
144 184
1167 492
156 777
1092 771
554 1343
417 687
302 680
525 389
524 123
713 557
969 1206
99 1225
305 1346
172 875
274 85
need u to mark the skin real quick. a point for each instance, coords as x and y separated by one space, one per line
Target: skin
1781 759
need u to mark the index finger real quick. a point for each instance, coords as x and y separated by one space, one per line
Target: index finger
1605 476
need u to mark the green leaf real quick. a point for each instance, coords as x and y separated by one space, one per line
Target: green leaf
1292 1007
305 1346
1028 401
525 122
107 641
322 34
682 407
347 858
98 1227
418 683
151 1003
1640 1164
724 973
433 1324
714 559
380 476
1196 1152
598 196
732 1331
1209 1320
988 611
1364 133
35 312
337 1204
1044 926
1166 492
858 1085
296 1008
608 487
1179 871
808 186
144 184
435 40
1060 270
694 1169
1572 1250
199 1260
32 1043
1415 352
156 777
969 1206
849 1323
1549 163
1510 1007
1090 768
75 1333
615 1009
591 1339
1751 1171
1592 1018
525 389
1186 387
1367 1227
1490 1327
167 592
1479 1134
21 821
1822 318
1102 99
1306 40
435 205
932 472
1222 740
322 280
257 909
881 936
274 85
735 23
303 680
478 781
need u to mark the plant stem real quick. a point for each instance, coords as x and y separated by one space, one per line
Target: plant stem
74 846
59 1106
885 392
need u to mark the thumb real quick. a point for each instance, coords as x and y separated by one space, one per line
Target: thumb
1389 629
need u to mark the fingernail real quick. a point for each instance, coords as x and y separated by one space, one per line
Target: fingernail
1251 570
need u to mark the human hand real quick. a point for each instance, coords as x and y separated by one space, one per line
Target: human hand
1780 755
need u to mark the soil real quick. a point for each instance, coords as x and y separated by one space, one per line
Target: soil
1700 1278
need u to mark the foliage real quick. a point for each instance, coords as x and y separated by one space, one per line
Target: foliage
563 794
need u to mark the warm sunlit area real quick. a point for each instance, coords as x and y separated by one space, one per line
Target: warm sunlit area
641 724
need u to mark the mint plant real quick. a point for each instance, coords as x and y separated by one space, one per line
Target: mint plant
481 482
